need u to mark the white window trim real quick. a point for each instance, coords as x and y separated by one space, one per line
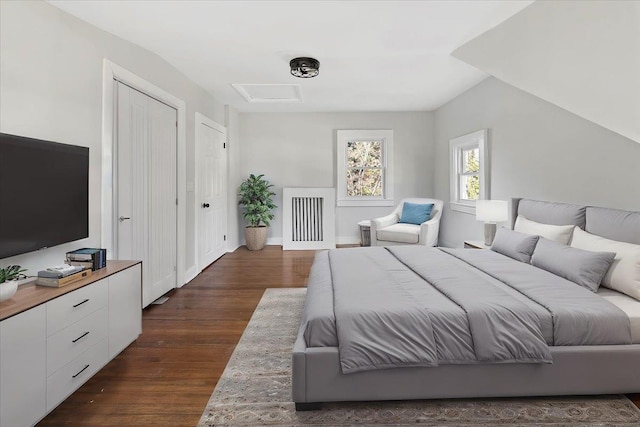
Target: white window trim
456 145
343 137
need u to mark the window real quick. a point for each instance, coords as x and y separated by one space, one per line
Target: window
469 171
365 168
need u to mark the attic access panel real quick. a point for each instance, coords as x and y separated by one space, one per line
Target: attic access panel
269 93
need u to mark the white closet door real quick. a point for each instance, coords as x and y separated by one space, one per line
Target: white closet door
162 198
146 150
130 168
212 190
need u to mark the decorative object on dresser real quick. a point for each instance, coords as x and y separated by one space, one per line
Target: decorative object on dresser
52 340
255 197
8 283
491 212
92 258
56 278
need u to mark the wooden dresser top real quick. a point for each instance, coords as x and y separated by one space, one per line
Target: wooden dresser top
31 295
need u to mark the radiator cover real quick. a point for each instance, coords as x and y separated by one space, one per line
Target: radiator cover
308 220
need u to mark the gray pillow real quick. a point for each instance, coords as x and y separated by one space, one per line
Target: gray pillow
513 244
586 268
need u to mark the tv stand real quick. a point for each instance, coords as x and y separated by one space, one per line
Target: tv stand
52 340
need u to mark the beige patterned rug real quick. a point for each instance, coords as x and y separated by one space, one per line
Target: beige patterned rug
255 390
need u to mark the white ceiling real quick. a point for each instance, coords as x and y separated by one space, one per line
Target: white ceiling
374 55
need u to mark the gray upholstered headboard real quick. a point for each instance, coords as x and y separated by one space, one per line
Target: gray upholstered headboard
613 224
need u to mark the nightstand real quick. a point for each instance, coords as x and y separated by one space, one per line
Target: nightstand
475 244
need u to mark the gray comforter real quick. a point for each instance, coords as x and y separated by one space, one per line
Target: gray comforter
413 306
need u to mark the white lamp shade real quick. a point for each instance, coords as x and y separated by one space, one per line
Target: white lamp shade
492 210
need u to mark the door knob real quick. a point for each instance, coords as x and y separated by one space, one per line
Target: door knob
124 218
205 205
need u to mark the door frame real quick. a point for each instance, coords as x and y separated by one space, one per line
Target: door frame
110 72
201 119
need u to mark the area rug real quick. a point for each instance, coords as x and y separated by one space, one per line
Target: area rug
255 390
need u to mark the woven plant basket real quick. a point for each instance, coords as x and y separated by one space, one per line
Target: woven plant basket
256 237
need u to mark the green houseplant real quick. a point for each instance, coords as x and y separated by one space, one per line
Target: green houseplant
255 198
8 284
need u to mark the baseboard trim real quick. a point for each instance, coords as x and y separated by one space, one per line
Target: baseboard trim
190 274
270 241
277 241
340 240
348 240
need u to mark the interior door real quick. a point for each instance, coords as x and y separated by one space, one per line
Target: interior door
131 134
163 196
146 192
212 190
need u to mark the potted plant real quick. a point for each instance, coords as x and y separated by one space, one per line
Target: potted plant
8 283
255 197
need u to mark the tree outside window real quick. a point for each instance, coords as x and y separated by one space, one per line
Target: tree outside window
364 174
364 168
469 175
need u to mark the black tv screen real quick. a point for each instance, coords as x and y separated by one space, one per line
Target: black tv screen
44 194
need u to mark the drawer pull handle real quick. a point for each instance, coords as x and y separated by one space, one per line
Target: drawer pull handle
81 371
81 336
80 303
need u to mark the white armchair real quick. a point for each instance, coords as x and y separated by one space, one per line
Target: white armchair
387 230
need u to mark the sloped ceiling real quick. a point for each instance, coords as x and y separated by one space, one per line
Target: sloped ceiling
583 56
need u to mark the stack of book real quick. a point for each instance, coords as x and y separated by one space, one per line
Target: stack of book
63 275
91 258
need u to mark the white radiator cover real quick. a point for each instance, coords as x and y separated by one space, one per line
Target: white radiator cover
308 218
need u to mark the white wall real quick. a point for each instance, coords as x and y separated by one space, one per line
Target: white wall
298 150
51 88
234 178
581 55
538 151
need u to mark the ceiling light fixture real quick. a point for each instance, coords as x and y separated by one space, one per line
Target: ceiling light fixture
304 67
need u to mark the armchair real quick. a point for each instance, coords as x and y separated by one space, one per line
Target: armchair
387 230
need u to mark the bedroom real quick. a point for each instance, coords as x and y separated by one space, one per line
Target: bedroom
565 148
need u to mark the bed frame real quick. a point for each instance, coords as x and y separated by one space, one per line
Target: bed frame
576 370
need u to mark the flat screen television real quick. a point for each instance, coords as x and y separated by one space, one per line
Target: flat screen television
44 194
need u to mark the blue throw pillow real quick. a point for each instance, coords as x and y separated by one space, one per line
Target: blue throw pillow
414 213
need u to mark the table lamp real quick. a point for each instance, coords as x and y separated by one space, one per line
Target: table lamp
491 212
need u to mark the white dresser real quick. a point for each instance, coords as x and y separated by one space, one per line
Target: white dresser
52 340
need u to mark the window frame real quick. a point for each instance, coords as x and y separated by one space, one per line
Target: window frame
343 137
456 147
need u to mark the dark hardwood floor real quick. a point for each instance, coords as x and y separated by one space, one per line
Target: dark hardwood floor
165 378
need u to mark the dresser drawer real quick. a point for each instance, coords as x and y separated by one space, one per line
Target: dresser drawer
70 342
72 375
71 307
